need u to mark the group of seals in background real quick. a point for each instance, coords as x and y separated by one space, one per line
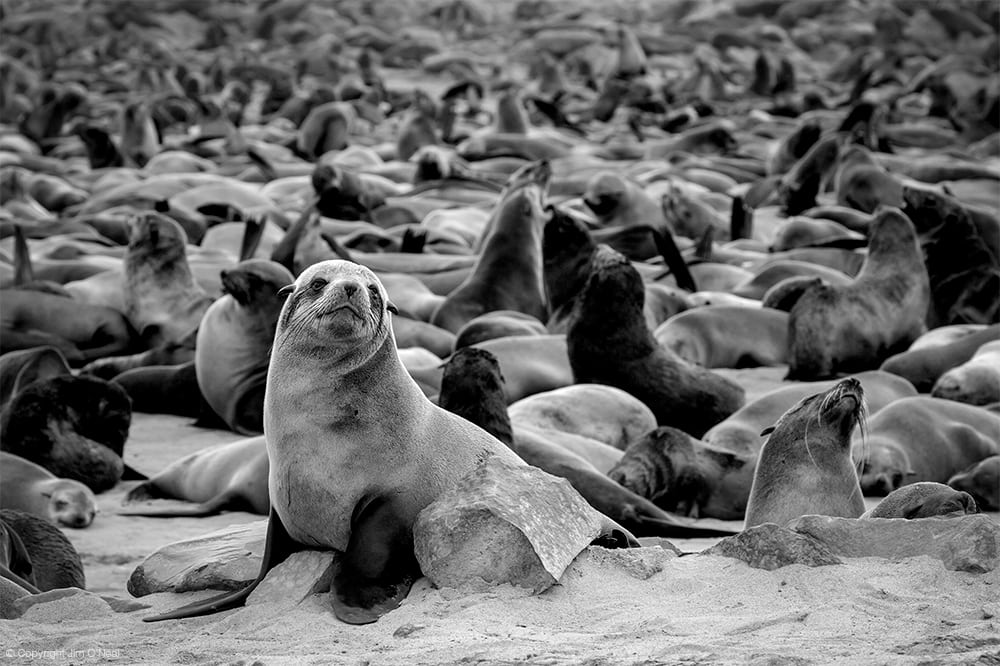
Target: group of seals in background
615 217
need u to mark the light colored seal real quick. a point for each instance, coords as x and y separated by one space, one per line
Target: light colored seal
923 366
234 342
508 273
727 336
924 439
982 481
857 326
924 500
25 486
356 451
805 465
975 382
229 477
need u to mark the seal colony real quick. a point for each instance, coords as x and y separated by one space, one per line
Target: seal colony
316 242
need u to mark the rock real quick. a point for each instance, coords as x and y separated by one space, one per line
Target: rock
506 523
966 543
302 574
69 603
654 542
10 593
641 563
771 547
227 559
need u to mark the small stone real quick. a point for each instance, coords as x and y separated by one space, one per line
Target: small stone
406 630
641 563
506 523
967 543
304 573
771 547
227 559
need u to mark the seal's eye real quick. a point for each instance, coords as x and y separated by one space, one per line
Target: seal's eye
317 284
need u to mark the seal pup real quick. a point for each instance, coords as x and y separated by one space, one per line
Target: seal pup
75 427
20 368
25 486
234 342
982 481
608 342
805 465
473 388
54 561
508 273
356 450
924 500
855 327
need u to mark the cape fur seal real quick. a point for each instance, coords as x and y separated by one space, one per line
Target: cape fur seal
856 326
25 486
234 341
508 273
75 427
805 465
982 481
608 343
924 500
924 439
356 451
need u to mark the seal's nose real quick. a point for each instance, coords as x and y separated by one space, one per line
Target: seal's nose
350 289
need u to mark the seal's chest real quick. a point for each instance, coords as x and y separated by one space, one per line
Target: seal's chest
315 501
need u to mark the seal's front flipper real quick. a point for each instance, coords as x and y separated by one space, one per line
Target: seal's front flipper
277 547
378 568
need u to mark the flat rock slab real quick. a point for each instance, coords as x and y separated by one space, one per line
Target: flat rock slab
302 574
771 547
505 523
966 543
227 559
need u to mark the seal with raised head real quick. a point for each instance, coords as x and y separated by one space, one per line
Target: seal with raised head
924 500
609 343
508 273
857 326
234 341
25 486
805 465
356 450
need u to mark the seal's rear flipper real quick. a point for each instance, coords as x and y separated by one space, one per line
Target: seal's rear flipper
277 548
379 566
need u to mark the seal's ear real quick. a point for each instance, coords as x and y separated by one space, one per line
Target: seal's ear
286 290
391 308
767 431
